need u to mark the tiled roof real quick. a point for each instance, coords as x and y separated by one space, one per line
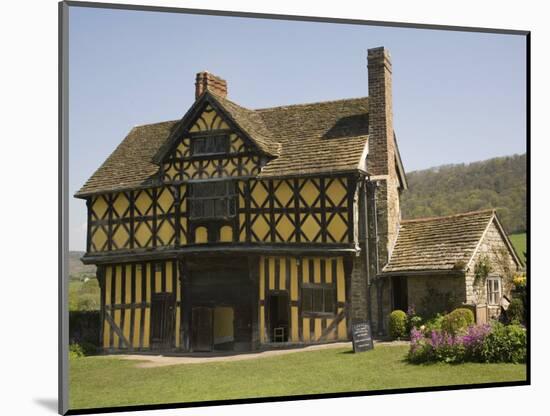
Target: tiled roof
439 243
303 139
130 164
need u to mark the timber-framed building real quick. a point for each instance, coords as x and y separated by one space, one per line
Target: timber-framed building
239 229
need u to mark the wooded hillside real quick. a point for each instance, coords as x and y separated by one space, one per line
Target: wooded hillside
499 183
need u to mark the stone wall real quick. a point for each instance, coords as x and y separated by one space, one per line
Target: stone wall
494 249
429 294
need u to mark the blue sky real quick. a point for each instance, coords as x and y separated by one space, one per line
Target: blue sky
457 96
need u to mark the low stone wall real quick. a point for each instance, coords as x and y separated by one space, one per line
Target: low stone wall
433 294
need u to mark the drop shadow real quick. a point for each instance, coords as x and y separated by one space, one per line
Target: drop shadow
47 403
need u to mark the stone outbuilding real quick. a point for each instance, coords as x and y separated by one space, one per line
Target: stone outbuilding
440 263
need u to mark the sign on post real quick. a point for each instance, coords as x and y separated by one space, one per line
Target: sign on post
361 337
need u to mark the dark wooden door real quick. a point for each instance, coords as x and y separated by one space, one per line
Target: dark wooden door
400 293
162 320
202 330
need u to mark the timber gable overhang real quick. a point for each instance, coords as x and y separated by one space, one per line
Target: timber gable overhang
264 145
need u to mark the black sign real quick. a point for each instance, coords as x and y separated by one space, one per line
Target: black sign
361 337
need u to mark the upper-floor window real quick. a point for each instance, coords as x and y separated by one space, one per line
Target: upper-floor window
210 145
494 290
212 200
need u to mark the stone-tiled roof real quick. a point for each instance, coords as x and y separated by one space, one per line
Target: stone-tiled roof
131 163
311 138
439 243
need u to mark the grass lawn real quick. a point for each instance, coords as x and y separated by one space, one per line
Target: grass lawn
519 242
109 381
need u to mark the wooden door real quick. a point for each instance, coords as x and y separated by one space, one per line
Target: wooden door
162 320
202 329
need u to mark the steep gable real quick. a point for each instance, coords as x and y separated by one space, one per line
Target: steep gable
303 139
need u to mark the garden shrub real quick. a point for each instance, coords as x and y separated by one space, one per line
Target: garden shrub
457 321
75 351
398 324
515 312
433 324
505 343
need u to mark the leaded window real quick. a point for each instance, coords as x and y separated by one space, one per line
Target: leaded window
210 145
212 200
317 298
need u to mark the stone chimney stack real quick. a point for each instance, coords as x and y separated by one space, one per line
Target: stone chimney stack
381 158
207 81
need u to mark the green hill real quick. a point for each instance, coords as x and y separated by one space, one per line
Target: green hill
499 183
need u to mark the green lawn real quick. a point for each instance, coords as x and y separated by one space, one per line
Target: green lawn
110 381
520 244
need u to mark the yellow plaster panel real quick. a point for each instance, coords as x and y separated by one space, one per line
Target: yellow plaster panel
317 270
259 194
328 270
284 193
309 192
128 284
226 233
305 327
165 200
318 329
271 273
285 228
143 203
305 269
121 237
201 235
166 233
310 228
99 238
282 273
340 282
143 233
260 227
99 206
337 193
337 228
120 205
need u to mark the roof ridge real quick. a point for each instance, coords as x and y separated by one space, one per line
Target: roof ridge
309 104
153 124
462 214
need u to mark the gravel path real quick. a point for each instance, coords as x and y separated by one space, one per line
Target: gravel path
150 361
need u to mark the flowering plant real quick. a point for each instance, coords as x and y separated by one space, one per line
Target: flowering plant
480 343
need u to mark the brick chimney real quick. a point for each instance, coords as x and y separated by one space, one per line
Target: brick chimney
207 81
381 156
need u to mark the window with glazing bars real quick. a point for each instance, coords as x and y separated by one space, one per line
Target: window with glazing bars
210 145
318 299
212 200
